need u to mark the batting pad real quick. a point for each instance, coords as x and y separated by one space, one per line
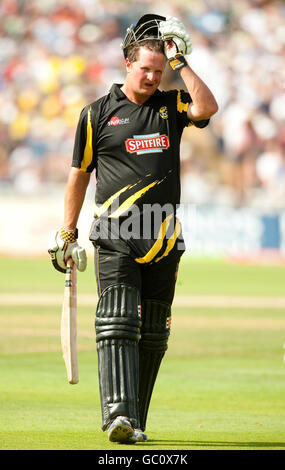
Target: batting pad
155 331
117 328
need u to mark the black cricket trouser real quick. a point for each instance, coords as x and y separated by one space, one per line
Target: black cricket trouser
154 281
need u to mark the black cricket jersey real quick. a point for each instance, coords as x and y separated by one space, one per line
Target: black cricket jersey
135 150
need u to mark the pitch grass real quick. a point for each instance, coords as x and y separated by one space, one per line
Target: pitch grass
221 384
196 276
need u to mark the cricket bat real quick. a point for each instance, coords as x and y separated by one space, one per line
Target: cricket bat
69 323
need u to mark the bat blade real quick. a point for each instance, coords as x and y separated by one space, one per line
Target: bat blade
69 324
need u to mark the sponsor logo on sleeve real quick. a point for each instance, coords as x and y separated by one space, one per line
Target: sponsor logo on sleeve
151 143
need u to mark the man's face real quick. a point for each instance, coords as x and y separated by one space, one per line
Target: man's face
145 74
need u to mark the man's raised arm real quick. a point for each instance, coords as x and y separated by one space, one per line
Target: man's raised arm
177 44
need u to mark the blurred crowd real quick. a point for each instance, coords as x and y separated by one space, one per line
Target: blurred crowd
58 55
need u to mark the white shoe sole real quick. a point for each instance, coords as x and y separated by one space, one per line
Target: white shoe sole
121 431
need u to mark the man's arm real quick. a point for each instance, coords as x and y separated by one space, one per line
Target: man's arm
74 196
63 243
177 44
203 104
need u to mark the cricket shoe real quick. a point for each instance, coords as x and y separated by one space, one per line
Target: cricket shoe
121 431
139 436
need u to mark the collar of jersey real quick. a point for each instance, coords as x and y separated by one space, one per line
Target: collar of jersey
119 95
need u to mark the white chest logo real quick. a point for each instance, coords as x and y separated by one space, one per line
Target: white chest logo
116 121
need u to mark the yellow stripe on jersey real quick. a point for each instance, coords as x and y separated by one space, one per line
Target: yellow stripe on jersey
88 151
171 241
100 210
158 244
180 105
131 200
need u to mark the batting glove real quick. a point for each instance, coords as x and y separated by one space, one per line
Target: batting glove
177 41
63 245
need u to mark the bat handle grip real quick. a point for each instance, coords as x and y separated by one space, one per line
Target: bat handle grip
71 274
72 266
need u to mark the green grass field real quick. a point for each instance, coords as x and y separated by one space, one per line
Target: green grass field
221 384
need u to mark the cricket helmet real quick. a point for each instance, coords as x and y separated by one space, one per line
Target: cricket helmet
146 28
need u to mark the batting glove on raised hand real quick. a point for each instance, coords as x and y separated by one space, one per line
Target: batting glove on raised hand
63 245
177 41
